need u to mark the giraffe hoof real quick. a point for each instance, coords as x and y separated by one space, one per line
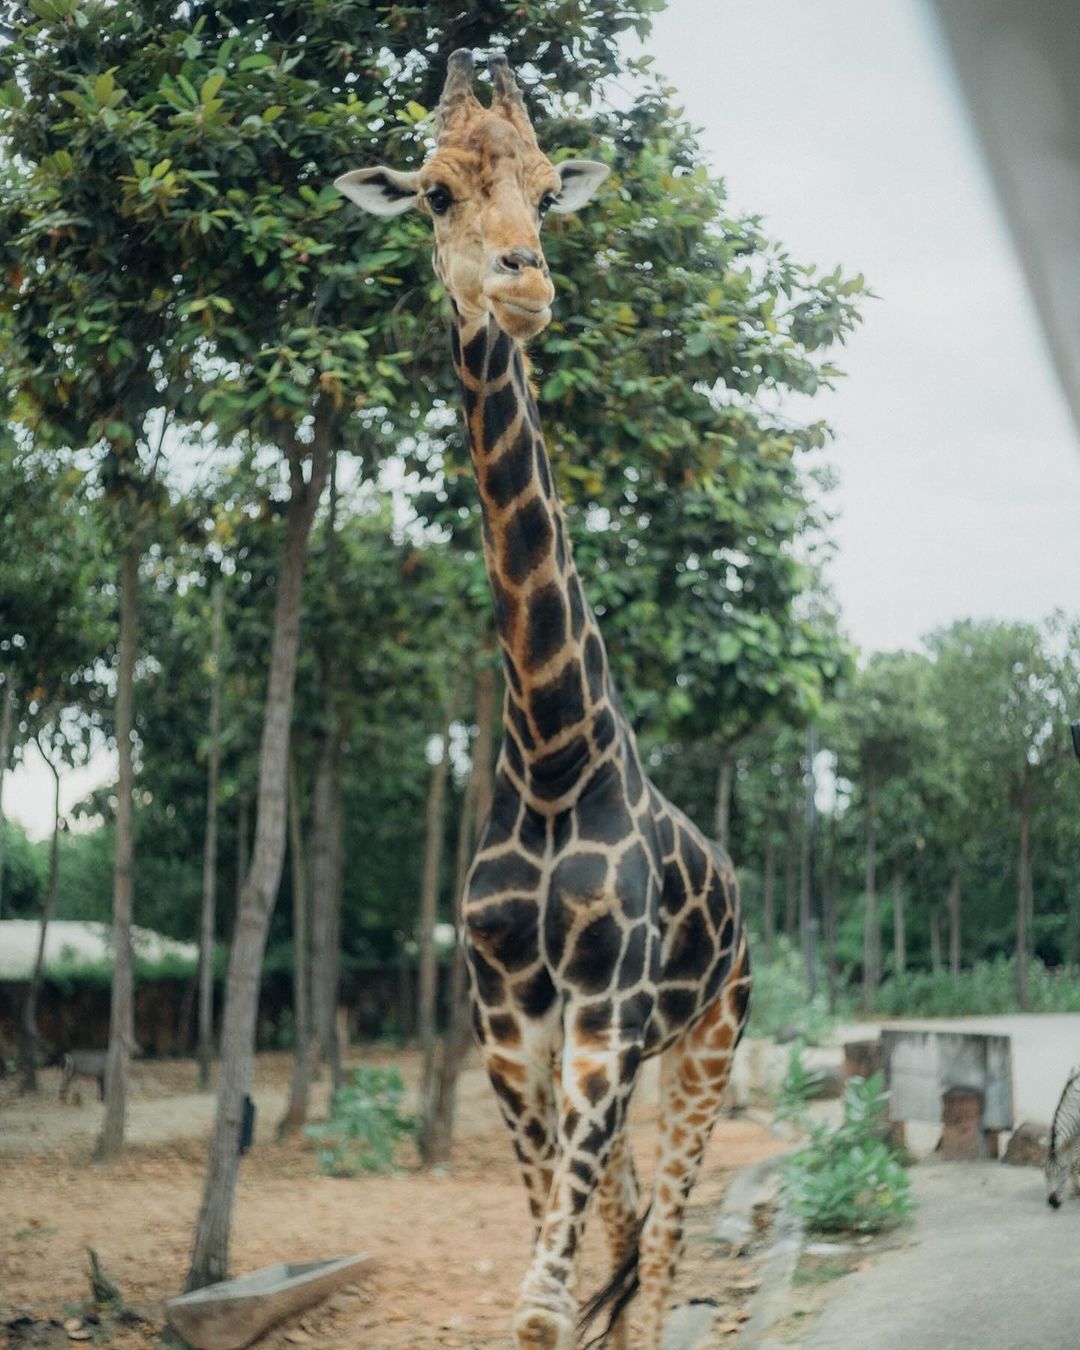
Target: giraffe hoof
541 1329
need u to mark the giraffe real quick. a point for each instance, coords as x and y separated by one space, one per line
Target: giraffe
600 926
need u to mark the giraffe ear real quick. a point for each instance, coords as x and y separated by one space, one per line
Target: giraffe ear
383 192
580 179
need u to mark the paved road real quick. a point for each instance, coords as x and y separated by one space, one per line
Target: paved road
988 1267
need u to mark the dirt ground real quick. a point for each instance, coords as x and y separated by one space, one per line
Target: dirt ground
451 1245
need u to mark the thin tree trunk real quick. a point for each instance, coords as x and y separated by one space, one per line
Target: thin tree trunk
935 939
207 920
210 1255
305 1048
832 895
871 925
899 927
406 1000
768 892
724 779
952 906
1023 864
334 1047
326 832
325 813
791 855
30 1038
436 1146
122 1008
7 713
243 846
429 908
804 896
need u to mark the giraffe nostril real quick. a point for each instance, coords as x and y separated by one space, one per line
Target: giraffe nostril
516 260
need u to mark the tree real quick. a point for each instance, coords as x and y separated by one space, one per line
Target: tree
883 730
1005 706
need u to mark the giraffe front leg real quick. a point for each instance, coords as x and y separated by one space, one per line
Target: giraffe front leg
598 1073
518 1055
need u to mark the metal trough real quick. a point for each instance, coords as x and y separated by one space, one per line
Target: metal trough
234 1313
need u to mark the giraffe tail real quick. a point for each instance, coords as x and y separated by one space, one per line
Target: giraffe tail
614 1296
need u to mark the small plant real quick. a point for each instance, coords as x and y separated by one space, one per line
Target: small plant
365 1125
848 1180
799 1087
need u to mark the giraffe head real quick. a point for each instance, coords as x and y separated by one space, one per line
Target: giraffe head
487 187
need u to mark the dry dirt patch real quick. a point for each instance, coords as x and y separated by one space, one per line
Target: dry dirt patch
451 1245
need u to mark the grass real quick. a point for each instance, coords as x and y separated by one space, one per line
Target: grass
813 1271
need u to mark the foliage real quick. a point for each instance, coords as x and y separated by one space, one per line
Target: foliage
366 1124
779 1002
799 1087
847 1180
987 988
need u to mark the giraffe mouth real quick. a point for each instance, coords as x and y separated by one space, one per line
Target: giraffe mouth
518 319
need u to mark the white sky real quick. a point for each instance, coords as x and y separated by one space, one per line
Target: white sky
841 123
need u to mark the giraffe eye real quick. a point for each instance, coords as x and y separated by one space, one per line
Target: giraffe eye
438 198
547 201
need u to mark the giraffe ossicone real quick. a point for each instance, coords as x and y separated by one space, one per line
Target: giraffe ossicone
600 926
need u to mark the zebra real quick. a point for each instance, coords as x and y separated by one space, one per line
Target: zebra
1063 1154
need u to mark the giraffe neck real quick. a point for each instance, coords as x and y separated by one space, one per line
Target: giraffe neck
559 715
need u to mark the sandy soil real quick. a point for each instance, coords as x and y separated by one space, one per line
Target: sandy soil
451 1245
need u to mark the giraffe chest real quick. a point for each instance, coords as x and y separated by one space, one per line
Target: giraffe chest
569 903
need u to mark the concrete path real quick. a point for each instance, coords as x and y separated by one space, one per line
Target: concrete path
988 1266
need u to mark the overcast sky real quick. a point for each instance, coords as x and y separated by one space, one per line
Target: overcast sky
841 123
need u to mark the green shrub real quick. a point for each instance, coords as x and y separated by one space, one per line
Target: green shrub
848 1180
987 988
799 1087
779 1002
365 1126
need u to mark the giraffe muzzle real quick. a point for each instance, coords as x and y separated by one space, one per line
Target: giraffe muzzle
519 291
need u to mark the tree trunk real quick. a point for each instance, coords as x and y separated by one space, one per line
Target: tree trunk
1023 865
832 894
768 893
724 779
952 906
429 909
305 1048
804 897
122 1006
406 999
7 713
791 855
337 881
438 1138
871 925
326 832
325 818
210 1255
243 830
935 939
30 1039
899 928
207 921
